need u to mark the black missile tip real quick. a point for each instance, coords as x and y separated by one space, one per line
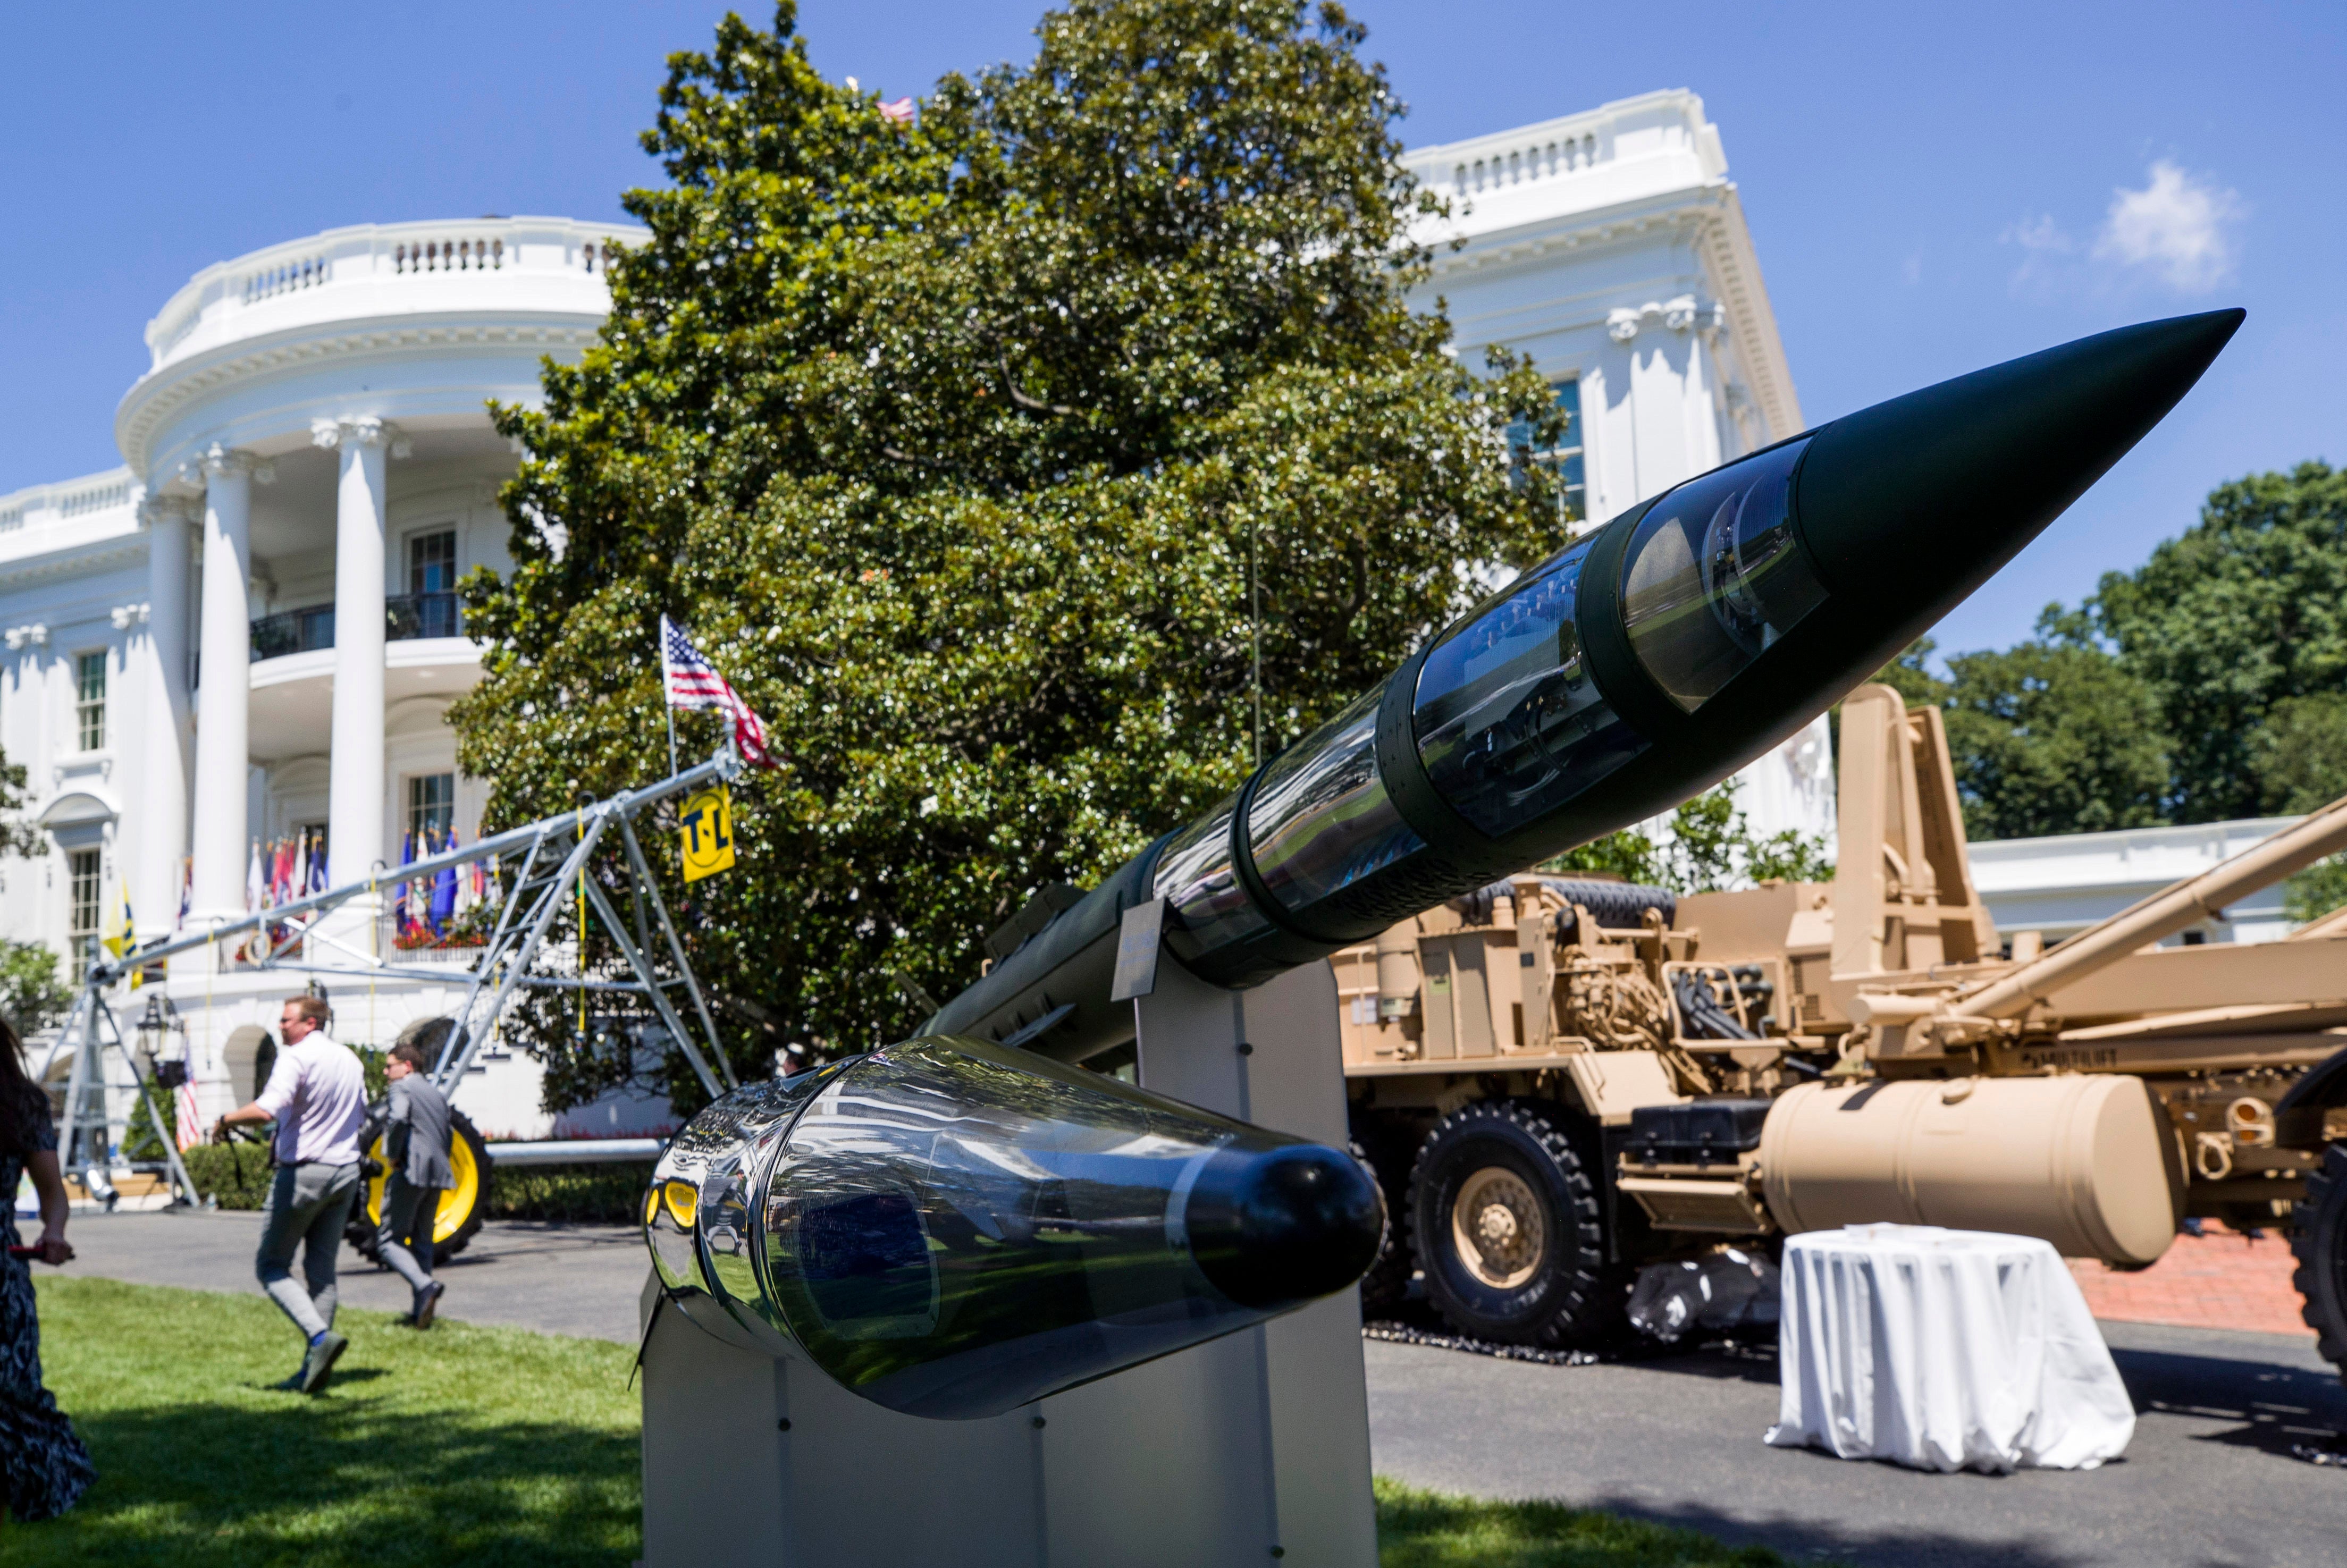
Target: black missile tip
1271 1227
1915 502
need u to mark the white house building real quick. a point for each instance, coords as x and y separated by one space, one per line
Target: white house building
243 642
1610 248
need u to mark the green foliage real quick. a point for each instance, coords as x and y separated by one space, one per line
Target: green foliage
2054 737
234 1174
1711 846
469 1444
2317 890
573 1194
967 451
17 837
1431 1530
2244 611
2051 736
2301 752
33 992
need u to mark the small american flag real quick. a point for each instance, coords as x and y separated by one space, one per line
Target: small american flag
189 1131
693 682
900 111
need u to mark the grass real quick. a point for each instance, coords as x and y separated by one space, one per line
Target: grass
488 1445
464 1445
1429 1529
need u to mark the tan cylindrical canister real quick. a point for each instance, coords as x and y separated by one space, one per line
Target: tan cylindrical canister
1397 976
2074 1160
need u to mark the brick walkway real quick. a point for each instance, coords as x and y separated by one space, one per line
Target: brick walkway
2220 1280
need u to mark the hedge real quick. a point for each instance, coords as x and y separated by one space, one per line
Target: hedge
238 1175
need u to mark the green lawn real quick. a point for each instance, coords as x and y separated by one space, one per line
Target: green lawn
463 1445
1428 1529
484 1445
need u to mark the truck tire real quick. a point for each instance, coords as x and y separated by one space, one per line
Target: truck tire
1505 1221
2319 1241
1387 1284
463 1203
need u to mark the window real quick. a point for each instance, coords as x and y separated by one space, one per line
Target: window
431 811
1564 458
432 562
81 929
89 707
430 607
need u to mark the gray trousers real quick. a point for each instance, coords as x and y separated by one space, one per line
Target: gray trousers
308 1206
406 1238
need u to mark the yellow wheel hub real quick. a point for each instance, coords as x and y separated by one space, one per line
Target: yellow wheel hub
458 1199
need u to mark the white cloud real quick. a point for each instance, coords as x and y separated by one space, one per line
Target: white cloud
2041 234
2178 226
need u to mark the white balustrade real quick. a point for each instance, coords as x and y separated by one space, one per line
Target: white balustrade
74 499
505 248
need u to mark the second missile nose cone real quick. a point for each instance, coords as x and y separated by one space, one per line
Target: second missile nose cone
1921 499
1285 1225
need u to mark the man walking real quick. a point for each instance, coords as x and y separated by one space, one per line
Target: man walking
316 1094
416 1147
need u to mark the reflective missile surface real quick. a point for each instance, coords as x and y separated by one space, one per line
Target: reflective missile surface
1634 669
951 1228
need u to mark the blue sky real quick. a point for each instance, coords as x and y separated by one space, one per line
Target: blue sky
1931 190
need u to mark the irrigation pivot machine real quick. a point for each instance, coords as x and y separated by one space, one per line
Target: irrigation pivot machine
589 859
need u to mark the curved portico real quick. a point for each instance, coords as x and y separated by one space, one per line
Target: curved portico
315 442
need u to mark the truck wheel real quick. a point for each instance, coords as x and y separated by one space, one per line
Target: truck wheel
1503 1219
2319 1241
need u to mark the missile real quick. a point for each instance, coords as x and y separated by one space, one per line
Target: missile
1631 670
952 1228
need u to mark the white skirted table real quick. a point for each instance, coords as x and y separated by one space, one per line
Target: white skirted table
1945 1350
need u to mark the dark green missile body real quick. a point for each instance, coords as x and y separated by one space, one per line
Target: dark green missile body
1637 668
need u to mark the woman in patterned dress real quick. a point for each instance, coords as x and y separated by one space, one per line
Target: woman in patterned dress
42 1465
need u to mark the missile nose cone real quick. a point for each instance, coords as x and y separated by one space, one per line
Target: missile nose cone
1274 1226
1926 496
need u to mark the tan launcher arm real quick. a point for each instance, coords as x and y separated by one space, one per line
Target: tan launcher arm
2163 913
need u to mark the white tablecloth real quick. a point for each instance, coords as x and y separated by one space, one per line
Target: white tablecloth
1943 1349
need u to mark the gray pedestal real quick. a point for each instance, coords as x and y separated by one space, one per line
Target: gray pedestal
1253 1447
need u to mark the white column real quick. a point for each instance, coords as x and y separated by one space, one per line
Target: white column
163 791
355 811
220 827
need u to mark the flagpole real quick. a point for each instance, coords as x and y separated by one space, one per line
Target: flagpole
668 707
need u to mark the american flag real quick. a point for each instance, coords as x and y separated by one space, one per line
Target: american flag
693 682
189 1131
900 111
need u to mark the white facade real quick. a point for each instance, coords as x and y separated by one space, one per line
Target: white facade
2059 886
1610 248
249 630
245 634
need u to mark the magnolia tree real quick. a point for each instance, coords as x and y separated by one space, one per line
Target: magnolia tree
1031 468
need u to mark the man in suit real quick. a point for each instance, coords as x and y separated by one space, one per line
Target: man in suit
316 1094
416 1146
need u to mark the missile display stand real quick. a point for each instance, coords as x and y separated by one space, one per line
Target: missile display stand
1251 1448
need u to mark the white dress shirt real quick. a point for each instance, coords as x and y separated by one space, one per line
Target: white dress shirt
317 1094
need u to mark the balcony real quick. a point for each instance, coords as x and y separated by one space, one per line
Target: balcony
406 619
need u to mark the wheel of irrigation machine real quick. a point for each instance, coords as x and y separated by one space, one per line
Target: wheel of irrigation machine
462 1202
2319 1241
1505 1221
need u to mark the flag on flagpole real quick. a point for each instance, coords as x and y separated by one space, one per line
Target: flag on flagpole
191 1130
692 682
900 111
256 892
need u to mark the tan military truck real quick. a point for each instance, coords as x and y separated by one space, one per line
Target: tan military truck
1560 1080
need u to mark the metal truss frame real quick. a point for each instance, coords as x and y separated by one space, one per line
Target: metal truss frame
551 873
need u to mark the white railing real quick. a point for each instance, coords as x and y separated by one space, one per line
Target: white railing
509 247
73 498
1573 145
1539 159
